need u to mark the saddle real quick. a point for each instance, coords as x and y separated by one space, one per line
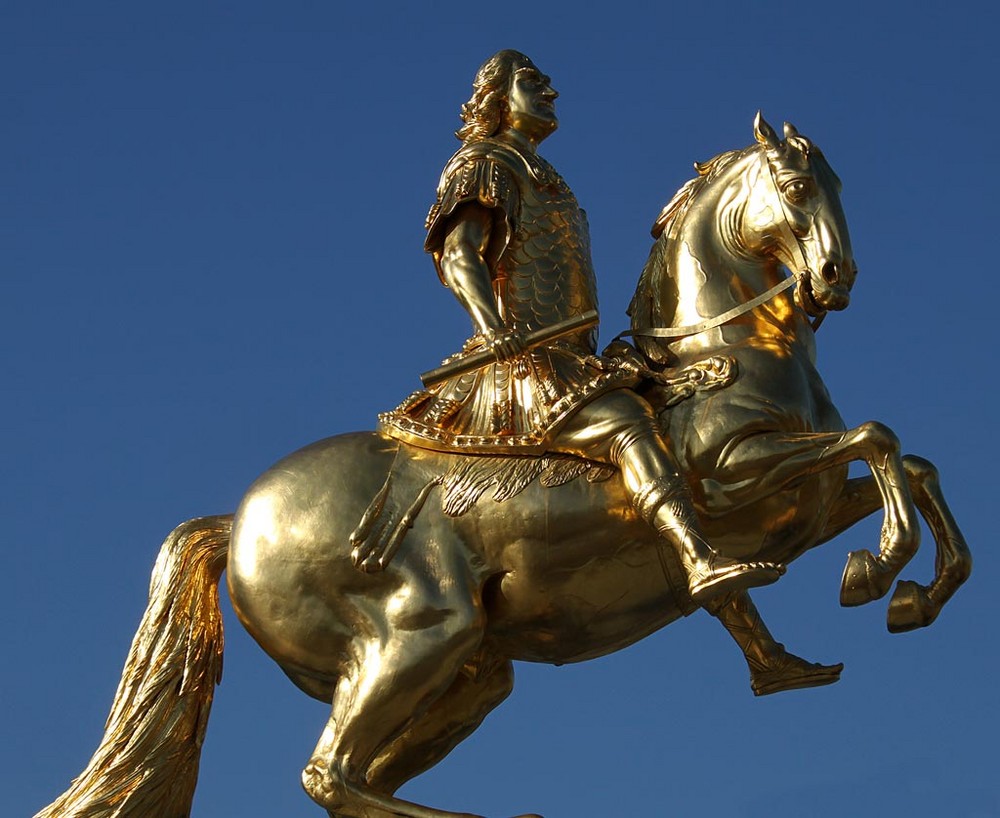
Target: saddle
465 478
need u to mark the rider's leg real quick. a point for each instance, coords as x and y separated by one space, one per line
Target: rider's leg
620 428
772 668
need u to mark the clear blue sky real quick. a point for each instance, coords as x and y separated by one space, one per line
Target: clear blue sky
211 232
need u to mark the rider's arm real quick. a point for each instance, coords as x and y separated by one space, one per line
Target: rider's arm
466 272
464 267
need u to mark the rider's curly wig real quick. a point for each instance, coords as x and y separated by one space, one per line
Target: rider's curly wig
483 113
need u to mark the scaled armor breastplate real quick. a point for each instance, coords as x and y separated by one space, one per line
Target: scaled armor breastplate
545 274
539 258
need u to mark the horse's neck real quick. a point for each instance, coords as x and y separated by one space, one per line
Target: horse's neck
705 262
712 275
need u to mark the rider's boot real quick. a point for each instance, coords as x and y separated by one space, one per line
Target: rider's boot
663 502
772 668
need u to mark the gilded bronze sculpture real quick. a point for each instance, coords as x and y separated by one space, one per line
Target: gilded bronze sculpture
545 503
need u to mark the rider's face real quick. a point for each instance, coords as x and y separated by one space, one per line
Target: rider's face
531 104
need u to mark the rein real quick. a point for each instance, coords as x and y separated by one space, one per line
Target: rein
719 320
795 247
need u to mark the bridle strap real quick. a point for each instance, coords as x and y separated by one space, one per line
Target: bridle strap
787 235
711 323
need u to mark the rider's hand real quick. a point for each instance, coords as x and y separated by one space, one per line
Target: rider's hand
625 357
505 344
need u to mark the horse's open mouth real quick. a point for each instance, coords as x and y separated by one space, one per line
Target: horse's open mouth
809 303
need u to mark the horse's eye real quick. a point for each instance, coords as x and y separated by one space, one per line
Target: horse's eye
797 190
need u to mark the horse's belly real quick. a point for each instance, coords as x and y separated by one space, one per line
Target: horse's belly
581 576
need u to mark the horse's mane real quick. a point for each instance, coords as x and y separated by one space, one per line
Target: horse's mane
653 300
707 171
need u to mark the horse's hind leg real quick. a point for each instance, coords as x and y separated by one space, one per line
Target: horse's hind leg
912 605
398 667
916 606
453 717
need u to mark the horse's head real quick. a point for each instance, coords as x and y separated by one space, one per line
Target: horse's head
794 215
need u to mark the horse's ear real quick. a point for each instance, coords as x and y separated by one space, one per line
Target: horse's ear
765 134
797 140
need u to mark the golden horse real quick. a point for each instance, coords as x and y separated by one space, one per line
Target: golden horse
404 609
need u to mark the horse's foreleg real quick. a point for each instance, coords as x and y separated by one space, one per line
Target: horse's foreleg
776 460
912 605
772 668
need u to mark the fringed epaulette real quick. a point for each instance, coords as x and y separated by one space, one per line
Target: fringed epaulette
480 179
482 172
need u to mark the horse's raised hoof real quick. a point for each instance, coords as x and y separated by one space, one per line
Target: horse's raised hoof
910 608
793 673
722 576
864 579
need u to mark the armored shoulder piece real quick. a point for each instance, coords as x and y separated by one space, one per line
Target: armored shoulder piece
486 172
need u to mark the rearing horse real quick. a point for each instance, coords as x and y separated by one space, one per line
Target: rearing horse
535 559
767 457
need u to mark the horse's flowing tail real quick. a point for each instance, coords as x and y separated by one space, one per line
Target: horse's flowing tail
147 763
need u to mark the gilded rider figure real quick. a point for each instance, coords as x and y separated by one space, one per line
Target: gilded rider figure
509 239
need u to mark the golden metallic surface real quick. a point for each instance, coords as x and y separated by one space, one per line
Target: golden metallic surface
147 763
538 337
398 582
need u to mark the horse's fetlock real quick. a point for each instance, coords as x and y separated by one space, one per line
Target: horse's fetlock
899 545
959 570
324 786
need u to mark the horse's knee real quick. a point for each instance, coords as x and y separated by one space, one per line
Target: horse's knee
878 438
922 473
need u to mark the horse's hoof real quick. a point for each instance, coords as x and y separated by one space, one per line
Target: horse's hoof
793 673
864 580
910 608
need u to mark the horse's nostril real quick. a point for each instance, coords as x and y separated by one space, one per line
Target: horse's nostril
830 273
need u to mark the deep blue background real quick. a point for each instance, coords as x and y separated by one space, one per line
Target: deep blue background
210 233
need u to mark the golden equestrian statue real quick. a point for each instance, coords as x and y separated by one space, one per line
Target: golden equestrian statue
538 501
